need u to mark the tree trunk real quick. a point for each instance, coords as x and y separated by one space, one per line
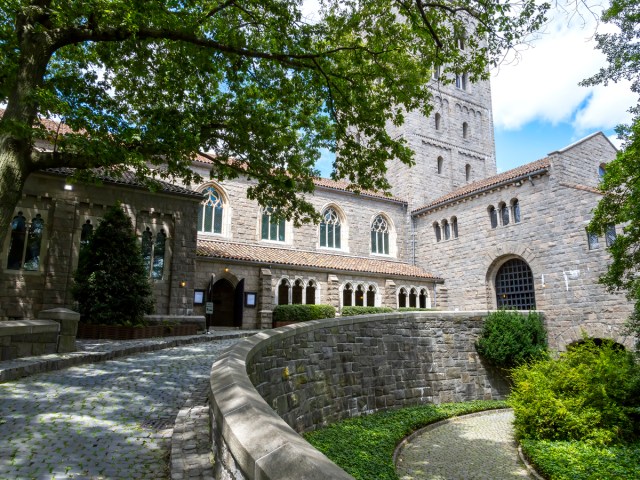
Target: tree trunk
13 175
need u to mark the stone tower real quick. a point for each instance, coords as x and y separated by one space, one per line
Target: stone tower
453 146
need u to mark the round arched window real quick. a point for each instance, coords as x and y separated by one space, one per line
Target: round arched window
514 286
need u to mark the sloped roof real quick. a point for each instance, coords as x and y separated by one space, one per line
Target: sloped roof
128 179
539 166
284 256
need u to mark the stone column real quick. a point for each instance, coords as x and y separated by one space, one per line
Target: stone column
68 320
265 299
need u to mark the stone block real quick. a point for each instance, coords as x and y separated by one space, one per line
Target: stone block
66 343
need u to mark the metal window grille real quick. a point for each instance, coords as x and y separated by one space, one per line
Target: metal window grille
514 286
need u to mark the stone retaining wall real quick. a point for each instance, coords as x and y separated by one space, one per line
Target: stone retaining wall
312 374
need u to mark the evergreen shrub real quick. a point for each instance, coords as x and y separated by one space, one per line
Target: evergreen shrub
510 338
302 313
590 393
111 284
351 311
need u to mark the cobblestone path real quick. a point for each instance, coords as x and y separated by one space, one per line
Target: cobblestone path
109 420
469 447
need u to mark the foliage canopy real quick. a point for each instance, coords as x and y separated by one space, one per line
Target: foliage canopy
146 84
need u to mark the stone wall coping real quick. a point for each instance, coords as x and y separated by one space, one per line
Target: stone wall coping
261 443
176 319
58 314
26 327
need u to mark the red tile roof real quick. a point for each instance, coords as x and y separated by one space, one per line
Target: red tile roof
284 256
347 187
539 166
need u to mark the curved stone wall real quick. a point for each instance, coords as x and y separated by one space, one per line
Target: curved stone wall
294 379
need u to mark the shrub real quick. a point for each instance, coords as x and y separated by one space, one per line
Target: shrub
589 393
302 313
111 284
509 338
351 311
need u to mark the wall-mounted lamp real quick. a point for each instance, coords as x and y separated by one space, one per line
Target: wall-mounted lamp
226 269
183 283
68 187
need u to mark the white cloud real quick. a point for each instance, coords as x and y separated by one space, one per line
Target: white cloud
543 84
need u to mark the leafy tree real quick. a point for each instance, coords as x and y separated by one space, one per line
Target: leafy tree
145 84
111 283
621 185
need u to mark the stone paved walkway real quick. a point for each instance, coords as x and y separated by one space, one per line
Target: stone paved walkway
109 420
477 446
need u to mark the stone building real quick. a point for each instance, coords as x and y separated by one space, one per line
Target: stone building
455 235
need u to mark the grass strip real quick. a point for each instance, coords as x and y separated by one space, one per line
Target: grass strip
364 446
574 460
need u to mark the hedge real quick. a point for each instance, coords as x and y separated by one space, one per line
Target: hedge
351 311
302 313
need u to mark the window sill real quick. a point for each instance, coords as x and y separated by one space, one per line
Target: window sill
333 249
274 242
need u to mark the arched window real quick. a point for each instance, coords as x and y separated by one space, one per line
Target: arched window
380 236
602 169
86 233
465 81
272 229
153 251
360 296
211 212
447 229
283 292
515 210
413 297
454 227
402 298
296 292
347 295
330 229
465 130
423 298
311 293
440 164
25 242
467 172
438 121
493 216
609 234
436 229
371 296
504 213
514 286
436 72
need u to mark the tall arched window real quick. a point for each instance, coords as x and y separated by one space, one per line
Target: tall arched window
454 227
423 298
25 242
371 296
436 229
467 172
311 293
380 236
515 210
402 298
465 129
283 292
296 292
272 229
413 297
330 229
211 212
446 230
440 164
504 213
360 296
347 295
438 121
493 216
86 233
514 286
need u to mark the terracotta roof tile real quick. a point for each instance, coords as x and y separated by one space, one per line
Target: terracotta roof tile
487 183
347 187
285 256
129 179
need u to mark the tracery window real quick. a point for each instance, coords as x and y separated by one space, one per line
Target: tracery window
311 293
153 252
371 296
25 242
283 292
514 286
330 229
360 296
402 298
515 210
493 216
380 236
272 229
296 292
211 212
504 213
347 295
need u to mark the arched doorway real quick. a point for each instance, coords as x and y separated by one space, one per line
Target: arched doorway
222 296
514 286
